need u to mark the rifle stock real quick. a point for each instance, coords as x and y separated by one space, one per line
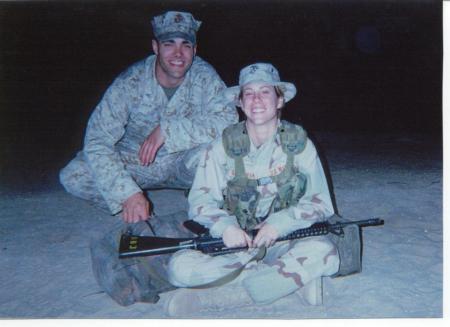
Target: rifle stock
133 245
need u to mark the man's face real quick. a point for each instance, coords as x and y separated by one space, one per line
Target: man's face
174 58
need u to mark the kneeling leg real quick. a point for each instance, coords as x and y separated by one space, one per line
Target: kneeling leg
306 260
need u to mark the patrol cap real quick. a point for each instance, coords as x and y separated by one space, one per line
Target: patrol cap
174 24
261 73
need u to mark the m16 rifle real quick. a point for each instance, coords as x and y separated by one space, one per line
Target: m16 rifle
133 245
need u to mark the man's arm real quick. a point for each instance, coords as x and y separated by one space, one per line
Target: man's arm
151 145
205 122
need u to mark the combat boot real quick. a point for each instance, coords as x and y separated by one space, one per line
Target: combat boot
185 302
312 292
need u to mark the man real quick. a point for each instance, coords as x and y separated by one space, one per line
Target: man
147 132
149 128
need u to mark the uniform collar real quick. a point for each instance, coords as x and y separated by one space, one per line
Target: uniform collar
274 139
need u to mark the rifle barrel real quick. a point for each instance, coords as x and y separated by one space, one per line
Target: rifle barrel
362 223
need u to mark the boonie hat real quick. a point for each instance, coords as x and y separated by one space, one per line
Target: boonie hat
263 73
174 24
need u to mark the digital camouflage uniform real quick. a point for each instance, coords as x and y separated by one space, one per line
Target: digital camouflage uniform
107 171
288 265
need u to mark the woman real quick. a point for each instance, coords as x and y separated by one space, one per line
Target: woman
262 174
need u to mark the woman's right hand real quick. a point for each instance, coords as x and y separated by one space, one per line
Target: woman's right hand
234 237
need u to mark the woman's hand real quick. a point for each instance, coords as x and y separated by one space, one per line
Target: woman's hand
234 237
267 235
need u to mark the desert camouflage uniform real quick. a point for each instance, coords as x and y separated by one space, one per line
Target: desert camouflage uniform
108 171
287 265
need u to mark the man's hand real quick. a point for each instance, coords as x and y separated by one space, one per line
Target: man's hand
135 208
150 147
267 235
234 237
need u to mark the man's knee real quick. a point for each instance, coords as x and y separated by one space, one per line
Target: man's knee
75 177
66 177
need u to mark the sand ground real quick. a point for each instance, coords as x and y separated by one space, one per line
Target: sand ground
45 269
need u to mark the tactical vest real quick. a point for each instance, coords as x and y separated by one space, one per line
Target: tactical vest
241 196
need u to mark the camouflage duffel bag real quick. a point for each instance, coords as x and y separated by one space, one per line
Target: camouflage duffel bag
139 279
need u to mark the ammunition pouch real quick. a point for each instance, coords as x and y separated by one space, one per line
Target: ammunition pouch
241 195
242 200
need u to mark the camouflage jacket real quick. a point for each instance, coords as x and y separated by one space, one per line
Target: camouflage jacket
134 105
215 169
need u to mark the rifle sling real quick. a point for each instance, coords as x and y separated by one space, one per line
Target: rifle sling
232 275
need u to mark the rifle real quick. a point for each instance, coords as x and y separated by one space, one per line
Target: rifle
133 245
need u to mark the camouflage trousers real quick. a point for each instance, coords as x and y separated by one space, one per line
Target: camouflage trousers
175 170
286 267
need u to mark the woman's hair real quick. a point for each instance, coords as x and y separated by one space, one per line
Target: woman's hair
278 91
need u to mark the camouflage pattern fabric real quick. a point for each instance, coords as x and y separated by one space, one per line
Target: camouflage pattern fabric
133 280
108 171
242 197
175 24
216 169
167 171
287 266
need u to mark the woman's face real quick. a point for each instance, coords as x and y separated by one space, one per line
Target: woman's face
260 103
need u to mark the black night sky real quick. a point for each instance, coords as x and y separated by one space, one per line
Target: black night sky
360 66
